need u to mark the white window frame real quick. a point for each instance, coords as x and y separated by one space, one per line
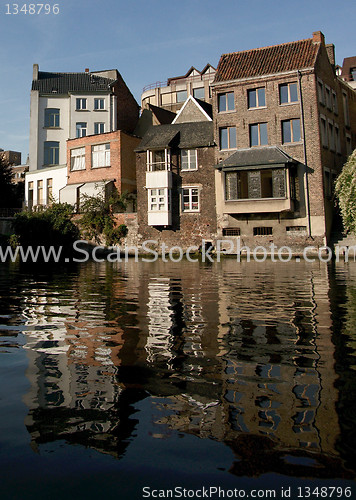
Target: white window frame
81 131
159 199
77 159
152 165
100 155
190 196
81 103
192 155
97 126
99 103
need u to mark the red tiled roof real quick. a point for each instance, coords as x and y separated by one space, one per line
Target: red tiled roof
267 60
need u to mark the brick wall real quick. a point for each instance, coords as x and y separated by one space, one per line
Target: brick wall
187 228
122 159
127 107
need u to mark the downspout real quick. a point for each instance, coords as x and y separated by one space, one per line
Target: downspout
307 200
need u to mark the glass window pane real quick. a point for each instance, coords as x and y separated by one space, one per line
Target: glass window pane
283 90
296 130
252 102
293 92
254 135
230 101
263 134
261 97
222 102
199 93
181 95
223 138
232 137
286 131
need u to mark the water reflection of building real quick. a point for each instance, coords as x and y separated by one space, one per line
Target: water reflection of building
74 344
274 377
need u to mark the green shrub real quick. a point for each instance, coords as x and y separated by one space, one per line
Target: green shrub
345 190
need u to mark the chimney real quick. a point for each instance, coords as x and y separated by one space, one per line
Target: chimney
87 70
330 49
318 37
35 72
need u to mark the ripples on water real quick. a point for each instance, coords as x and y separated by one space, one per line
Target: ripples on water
257 357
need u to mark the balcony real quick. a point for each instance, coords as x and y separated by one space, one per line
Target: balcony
159 179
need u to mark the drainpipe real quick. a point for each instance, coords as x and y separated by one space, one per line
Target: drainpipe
306 192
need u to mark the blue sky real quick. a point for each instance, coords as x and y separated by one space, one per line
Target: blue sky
149 41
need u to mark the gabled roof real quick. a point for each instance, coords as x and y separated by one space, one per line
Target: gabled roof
266 156
205 109
62 83
182 135
267 60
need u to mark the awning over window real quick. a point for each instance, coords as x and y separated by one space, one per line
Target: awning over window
69 194
257 159
95 188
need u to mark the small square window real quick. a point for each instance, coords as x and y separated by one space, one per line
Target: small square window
81 103
190 199
226 102
99 128
291 131
199 93
188 159
258 134
81 129
99 103
228 138
257 98
181 95
288 93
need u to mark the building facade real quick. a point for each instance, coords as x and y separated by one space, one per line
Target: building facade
67 106
173 93
284 124
175 179
99 162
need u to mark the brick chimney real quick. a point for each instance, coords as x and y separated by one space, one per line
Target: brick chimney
87 70
330 49
35 72
318 37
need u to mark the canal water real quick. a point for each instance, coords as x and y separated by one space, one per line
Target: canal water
117 380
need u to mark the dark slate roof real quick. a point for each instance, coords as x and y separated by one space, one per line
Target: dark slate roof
164 116
182 135
267 60
256 157
62 83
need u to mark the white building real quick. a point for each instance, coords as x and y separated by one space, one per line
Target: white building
65 106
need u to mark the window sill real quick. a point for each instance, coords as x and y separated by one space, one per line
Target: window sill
227 112
289 103
52 128
296 143
227 150
254 199
256 107
83 110
102 110
189 169
190 211
101 166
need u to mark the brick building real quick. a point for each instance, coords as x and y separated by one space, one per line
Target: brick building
67 106
175 179
284 124
99 162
